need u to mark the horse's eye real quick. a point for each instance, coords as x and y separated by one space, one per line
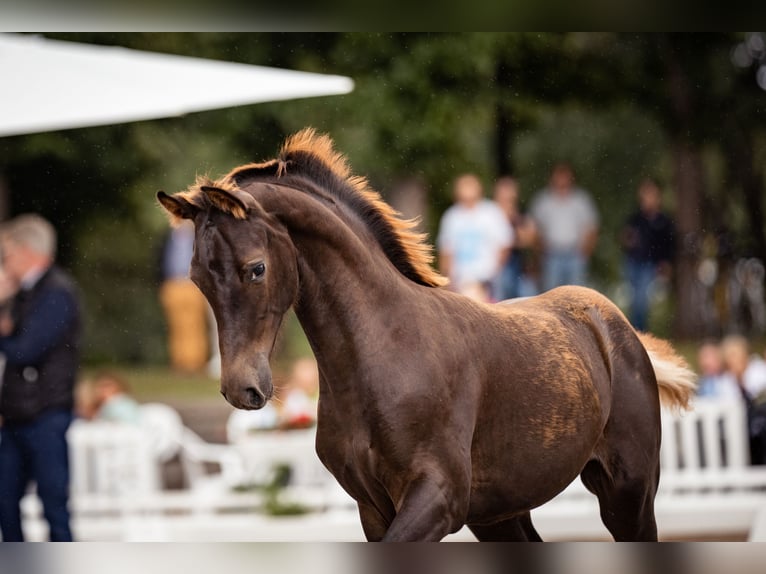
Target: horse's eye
256 272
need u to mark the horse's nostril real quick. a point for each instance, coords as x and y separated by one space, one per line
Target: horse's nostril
254 397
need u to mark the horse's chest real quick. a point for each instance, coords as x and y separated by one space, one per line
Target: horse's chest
353 461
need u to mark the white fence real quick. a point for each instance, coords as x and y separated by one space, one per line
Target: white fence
707 488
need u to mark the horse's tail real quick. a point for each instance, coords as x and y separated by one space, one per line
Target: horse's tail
677 382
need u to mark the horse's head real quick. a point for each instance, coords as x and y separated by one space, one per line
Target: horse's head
245 264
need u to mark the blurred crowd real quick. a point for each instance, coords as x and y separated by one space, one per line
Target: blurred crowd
730 371
493 249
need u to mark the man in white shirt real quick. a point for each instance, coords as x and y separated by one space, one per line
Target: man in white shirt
475 238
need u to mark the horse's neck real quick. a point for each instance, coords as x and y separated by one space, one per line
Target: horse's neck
347 285
346 295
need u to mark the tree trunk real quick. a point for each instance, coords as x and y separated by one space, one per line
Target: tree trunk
688 185
743 173
688 176
503 121
503 132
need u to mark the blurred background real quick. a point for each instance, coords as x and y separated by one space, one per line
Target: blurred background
686 109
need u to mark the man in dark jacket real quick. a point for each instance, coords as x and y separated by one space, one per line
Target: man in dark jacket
648 240
41 348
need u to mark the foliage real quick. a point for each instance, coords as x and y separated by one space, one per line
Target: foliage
274 492
428 105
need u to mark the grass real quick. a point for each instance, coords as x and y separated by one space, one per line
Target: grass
157 382
152 382
161 383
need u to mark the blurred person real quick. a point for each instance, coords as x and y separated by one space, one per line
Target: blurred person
113 401
8 289
748 373
42 350
476 291
474 238
567 223
185 307
300 396
84 400
648 242
514 280
748 370
713 381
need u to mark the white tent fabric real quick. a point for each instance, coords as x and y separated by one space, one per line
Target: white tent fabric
50 85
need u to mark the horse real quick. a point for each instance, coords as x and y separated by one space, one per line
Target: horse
435 411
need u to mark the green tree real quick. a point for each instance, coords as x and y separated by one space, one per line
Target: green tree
429 106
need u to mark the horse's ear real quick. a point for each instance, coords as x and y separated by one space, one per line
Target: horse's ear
236 202
177 207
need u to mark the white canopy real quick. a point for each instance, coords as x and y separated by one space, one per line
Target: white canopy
50 85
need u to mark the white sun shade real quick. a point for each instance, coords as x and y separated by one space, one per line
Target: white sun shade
51 85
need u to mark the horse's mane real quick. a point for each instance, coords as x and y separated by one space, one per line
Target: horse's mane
312 156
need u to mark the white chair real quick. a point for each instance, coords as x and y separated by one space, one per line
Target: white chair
111 460
242 423
208 488
197 454
165 428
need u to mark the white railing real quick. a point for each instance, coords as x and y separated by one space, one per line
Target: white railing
707 487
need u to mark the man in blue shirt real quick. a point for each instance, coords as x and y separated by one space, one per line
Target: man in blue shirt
41 348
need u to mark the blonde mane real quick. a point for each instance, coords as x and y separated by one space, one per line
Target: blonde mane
313 156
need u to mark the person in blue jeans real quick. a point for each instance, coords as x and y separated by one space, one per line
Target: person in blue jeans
567 223
40 342
648 241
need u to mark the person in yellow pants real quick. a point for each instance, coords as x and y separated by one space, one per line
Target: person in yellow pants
184 305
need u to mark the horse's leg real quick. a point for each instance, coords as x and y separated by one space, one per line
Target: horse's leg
625 469
516 529
374 524
626 499
430 509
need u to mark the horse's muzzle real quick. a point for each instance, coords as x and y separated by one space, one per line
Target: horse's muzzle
249 388
255 398
249 398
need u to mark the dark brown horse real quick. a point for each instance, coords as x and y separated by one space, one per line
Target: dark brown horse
435 411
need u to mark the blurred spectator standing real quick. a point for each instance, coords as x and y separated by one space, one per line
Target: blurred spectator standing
748 373
567 222
42 353
8 289
648 241
474 238
185 307
514 279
